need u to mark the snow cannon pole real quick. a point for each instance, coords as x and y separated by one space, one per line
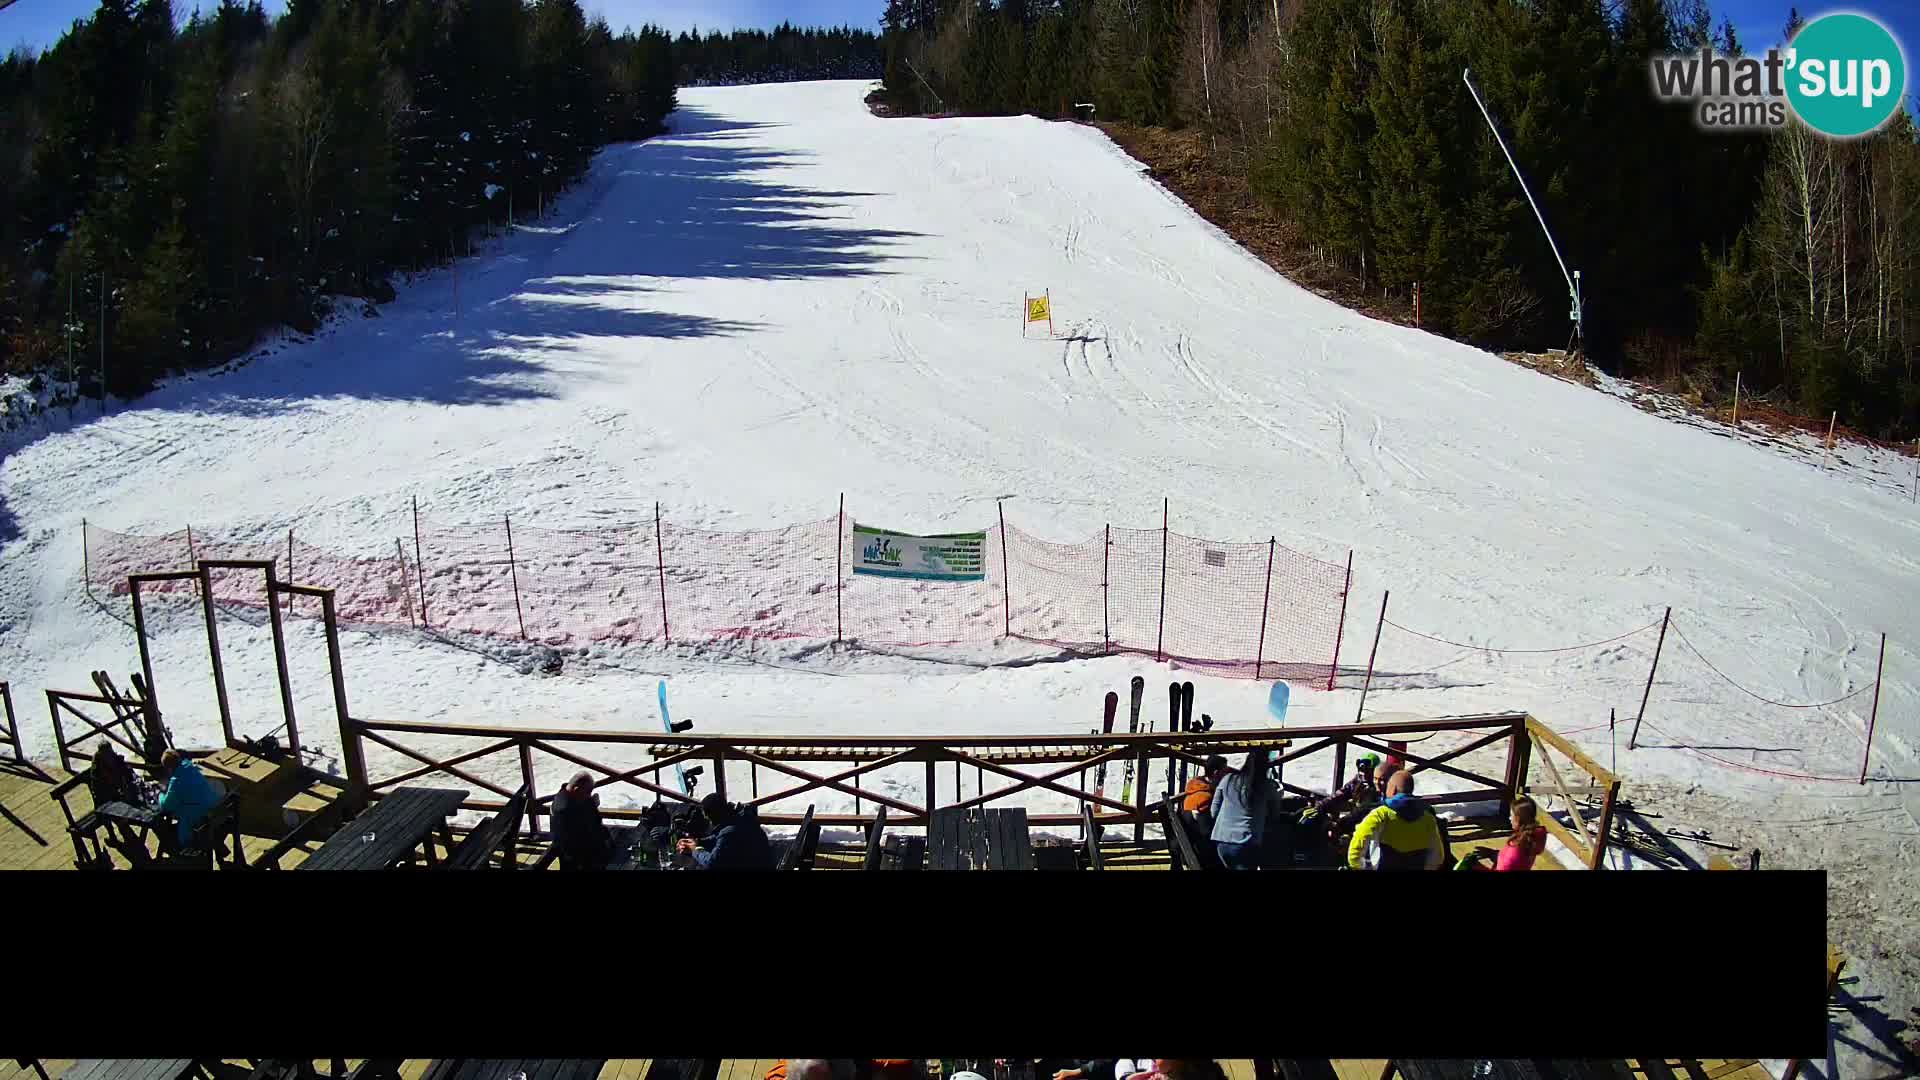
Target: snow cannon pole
290 577
1648 692
86 562
1340 628
1368 685
1867 755
1915 497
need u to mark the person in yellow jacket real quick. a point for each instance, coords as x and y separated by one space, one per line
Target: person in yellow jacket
1402 830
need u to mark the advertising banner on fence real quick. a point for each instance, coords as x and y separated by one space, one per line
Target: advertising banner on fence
953 557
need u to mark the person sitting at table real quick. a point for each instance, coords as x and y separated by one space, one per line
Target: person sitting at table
189 797
738 842
1400 834
111 779
1197 805
583 839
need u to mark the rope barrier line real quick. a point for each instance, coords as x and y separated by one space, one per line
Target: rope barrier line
1755 768
1757 697
1489 648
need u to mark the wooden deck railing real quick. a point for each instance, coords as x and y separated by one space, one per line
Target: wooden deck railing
10 731
132 725
1065 764
1590 845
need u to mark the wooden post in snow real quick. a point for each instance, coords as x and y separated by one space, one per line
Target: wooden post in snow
1736 399
1368 685
1873 716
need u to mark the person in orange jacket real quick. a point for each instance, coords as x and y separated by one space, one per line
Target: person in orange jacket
1199 794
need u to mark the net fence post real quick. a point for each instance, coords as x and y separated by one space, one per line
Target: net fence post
1368 685
406 590
660 562
1106 588
86 561
1648 692
419 565
839 556
1266 597
1340 629
513 572
1160 638
1006 575
1866 755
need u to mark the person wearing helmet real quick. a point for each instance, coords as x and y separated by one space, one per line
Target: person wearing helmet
1345 807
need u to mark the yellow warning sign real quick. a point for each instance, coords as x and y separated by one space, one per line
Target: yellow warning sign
1038 309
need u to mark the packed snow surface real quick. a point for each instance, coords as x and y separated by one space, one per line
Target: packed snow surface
787 298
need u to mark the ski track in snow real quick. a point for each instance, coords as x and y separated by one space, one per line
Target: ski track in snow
786 298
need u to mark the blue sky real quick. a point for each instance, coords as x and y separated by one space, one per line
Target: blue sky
40 22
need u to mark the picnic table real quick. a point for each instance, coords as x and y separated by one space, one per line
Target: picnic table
505 1068
131 825
973 838
131 1068
385 835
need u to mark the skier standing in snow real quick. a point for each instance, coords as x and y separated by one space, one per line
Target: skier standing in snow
1403 832
1240 803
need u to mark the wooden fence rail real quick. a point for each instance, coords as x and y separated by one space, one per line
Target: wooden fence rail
127 727
10 733
805 764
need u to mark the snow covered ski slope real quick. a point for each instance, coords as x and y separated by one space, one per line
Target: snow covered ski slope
787 298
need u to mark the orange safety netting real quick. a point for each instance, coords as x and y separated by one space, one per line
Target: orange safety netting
1144 591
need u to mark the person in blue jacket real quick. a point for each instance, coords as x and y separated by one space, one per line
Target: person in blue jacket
189 797
737 841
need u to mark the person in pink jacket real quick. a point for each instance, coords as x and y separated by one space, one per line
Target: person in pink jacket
1529 839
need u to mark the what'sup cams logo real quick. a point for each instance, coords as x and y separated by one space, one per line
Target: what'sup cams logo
1842 74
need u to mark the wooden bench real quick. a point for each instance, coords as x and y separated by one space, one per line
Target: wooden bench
1009 842
217 835
972 838
501 832
1185 857
874 831
800 850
